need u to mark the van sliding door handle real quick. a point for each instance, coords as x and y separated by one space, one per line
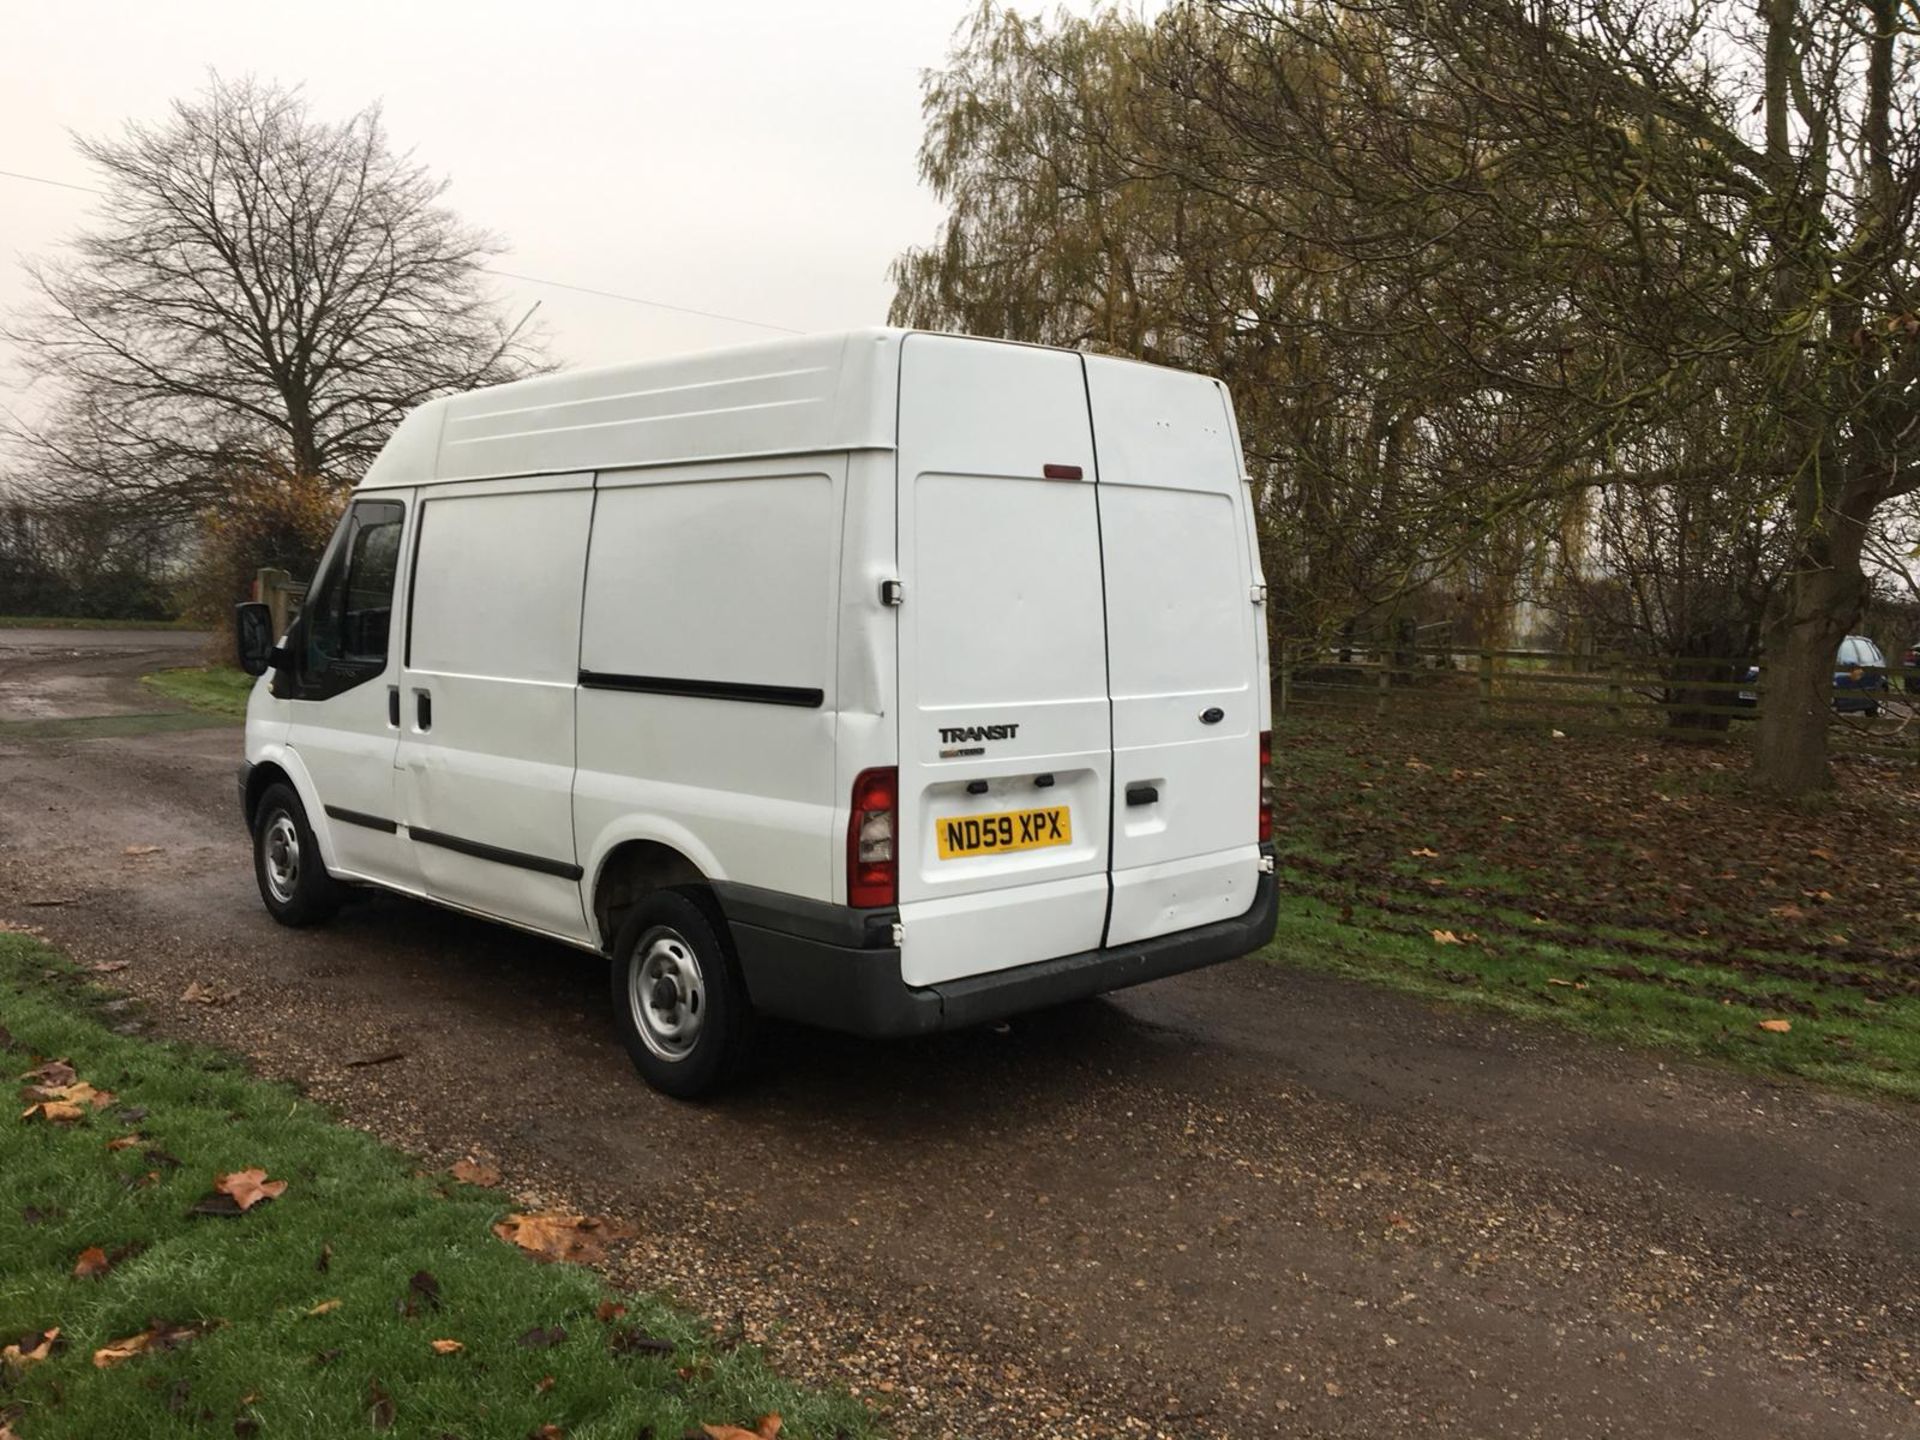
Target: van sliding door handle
1142 795
422 710
393 706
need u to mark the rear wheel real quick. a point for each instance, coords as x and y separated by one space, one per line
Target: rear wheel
286 862
678 999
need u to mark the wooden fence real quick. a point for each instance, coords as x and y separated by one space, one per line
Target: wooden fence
1705 697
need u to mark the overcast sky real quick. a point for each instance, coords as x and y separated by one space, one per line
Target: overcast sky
752 157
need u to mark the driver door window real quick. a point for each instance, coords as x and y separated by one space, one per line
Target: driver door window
348 617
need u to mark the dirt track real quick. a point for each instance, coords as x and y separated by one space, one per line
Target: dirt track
1247 1201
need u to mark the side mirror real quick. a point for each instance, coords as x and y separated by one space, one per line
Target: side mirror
253 637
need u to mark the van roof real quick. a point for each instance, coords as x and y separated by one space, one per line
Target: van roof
804 395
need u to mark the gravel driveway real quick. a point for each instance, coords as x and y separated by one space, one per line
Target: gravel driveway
1243 1202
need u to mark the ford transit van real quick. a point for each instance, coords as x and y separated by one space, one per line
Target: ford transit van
886 681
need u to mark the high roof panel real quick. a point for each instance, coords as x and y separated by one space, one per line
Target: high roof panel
809 394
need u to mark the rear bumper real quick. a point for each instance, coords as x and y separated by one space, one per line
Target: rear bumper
837 968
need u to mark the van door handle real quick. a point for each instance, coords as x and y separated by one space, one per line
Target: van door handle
393 706
423 710
1142 795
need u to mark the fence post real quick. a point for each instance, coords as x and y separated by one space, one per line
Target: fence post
1616 663
1486 685
1386 678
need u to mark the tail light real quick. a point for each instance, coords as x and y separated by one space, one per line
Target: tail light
871 868
1266 786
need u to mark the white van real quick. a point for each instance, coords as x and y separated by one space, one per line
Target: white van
885 681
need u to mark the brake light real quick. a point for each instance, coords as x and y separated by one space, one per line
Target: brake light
1266 786
871 868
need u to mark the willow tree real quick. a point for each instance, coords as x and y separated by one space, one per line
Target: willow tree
1085 208
263 292
1643 221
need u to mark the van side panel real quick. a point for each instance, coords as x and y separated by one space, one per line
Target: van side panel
708 687
868 724
1182 650
486 751
1003 679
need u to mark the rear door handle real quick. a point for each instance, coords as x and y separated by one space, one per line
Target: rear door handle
393 706
423 709
1142 795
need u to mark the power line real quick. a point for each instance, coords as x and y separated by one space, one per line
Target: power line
504 274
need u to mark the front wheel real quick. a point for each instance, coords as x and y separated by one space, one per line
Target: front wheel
286 862
679 1002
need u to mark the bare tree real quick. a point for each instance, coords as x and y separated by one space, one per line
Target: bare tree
266 291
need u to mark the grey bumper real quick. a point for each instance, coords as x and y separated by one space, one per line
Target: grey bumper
837 968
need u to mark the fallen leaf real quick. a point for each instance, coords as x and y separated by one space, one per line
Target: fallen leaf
325 1307
475 1172
628 1340
54 1112
92 1262
152 1340
325 1262
542 1338
1445 937
765 1428
380 1408
141 850
446 1347
53 1072
1425 854
555 1235
1778 1027
109 967
198 994
423 1292
1569 984
609 1310
29 1349
126 1142
249 1187
543 1385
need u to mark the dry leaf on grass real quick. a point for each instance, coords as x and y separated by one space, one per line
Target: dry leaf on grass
765 1428
1445 937
475 1172
126 1142
53 1072
325 1307
93 1261
446 1347
239 1192
556 1235
1778 1027
152 1340
1424 853
29 1349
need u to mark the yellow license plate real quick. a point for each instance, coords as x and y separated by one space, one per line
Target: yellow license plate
965 835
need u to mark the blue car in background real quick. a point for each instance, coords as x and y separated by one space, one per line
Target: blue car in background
1859 674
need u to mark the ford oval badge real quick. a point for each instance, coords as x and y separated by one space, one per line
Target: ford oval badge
1213 715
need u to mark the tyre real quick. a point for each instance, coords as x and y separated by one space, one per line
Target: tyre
679 1002
286 862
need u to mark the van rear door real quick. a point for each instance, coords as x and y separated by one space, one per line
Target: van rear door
1005 738
1182 649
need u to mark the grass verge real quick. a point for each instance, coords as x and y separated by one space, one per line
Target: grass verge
1632 891
211 689
314 1317
88 622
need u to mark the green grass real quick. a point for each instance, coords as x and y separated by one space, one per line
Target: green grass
88 622
1631 892
269 1362
212 689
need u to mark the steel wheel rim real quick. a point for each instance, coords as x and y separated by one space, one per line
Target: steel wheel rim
667 994
281 850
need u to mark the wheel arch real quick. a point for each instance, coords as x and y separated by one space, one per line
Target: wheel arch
633 869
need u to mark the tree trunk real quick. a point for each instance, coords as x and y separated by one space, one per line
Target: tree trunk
1819 603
